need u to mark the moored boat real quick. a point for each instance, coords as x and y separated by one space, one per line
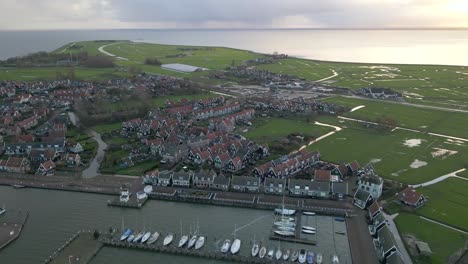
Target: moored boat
307 231
130 238
339 219
262 252
286 255
18 186
284 211
308 213
126 234
319 259
138 237
153 238
285 223
145 237
287 228
310 257
200 242
192 242
235 247
302 256
226 246
284 233
168 239
255 249
271 252
278 254
335 259
309 228
294 256
183 240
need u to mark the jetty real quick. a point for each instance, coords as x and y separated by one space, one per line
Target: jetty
11 225
79 248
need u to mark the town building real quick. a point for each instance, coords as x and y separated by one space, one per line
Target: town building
182 179
362 198
274 186
47 168
203 179
372 184
221 183
411 197
245 184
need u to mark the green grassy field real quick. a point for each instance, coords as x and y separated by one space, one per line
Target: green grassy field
139 169
436 121
107 128
50 73
443 241
447 202
390 157
275 128
463 174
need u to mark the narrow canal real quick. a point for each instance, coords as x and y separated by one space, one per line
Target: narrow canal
57 215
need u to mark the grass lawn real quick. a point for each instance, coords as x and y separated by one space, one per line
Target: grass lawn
50 73
436 121
107 128
139 168
442 241
463 174
275 128
447 202
390 157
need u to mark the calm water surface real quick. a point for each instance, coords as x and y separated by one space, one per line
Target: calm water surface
379 46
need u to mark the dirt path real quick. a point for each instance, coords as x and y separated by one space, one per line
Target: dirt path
101 49
329 77
444 225
441 178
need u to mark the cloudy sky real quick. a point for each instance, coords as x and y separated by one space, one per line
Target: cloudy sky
88 14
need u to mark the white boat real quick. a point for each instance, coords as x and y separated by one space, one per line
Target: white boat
235 247
153 238
130 238
307 231
287 228
286 255
302 256
285 223
284 233
309 228
148 189
226 246
294 256
200 242
283 211
278 254
192 242
168 239
335 259
183 240
262 252
255 249
288 219
310 257
141 195
271 252
319 259
308 213
126 234
125 196
145 237
138 237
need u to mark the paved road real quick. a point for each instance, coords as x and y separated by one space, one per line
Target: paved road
441 178
360 240
329 77
101 49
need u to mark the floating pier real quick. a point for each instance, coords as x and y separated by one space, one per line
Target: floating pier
11 225
79 248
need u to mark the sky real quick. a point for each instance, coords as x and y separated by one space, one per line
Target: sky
106 14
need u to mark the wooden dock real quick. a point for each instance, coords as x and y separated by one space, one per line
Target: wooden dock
11 225
80 248
133 202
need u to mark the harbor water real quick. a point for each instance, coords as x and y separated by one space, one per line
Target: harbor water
54 216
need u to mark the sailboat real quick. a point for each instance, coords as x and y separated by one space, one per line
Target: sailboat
183 238
284 223
200 242
309 228
138 237
262 252
302 256
294 256
271 252
235 247
153 238
278 254
310 257
130 238
168 239
319 259
335 259
307 231
286 255
308 213
145 237
126 234
226 246
283 211
284 233
2 210
255 248
287 228
192 241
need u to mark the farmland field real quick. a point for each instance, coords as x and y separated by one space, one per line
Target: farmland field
447 202
427 120
423 158
442 241
275 128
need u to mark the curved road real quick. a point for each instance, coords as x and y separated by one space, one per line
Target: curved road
101 49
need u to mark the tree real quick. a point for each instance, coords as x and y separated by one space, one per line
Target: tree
96 234
99 61
153 61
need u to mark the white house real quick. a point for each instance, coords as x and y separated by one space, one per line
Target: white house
372 184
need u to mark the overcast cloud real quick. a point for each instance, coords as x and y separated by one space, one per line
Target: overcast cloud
86 14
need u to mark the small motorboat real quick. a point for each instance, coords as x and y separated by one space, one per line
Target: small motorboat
192 242
310 257
200 242
340 232
130 238
302 256
262 252
126 234
226 246
18 186
168 239
339 219
283 211
309 228
271 252
235 247
286 255
138 237
294 256
255 249
335 259
183 240
308 213
278 254
319 259
307 231
287 228
153 238
145 237
284 233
